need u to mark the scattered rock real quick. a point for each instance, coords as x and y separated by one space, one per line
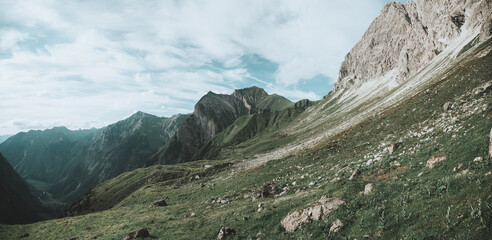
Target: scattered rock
225 232
193 214
395 163
420 174
142 233
433 160
260 207
366 236
321 209
458 167
393 147
202 184
447 106
354 174
336 226
312 183
161 203
368 188
478 159
464 172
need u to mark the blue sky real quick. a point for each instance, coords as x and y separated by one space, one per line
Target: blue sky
84 64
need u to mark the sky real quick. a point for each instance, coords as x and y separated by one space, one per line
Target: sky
84 64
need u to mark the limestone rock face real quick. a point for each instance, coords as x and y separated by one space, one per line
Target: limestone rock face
406 37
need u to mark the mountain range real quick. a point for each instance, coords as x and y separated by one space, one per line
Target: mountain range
399 149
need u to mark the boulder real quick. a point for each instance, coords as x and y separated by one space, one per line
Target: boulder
368 188
319 210
225 232
435 159
161 203
142 233
336 226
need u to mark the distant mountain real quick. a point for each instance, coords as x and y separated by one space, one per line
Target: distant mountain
4 137
63 164
17 204
214 113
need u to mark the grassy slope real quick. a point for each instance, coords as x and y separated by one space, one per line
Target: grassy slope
436 205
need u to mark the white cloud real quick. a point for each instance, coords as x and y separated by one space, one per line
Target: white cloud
90 63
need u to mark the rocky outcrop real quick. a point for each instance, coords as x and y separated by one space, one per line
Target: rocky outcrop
320 210
406 37
212 114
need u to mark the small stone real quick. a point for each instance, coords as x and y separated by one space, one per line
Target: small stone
433 160
336 226
202 184
193 214
395 163
294 183
464 172
225 232
368 188
447 106
393 147
312 183
420 174
366 236
478 159
354 174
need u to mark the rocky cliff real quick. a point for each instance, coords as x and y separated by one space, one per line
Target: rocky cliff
406 37
214 113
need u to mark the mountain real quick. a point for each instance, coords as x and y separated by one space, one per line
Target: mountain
214 113
63 164
416 36
4 137
387 157
17 204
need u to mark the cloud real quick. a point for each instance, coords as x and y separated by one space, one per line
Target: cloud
90 63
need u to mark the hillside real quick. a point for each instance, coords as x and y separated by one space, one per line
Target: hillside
63 164
17 204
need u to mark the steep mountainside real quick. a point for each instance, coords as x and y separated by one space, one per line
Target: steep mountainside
63 164
17 204
212 114
405 38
